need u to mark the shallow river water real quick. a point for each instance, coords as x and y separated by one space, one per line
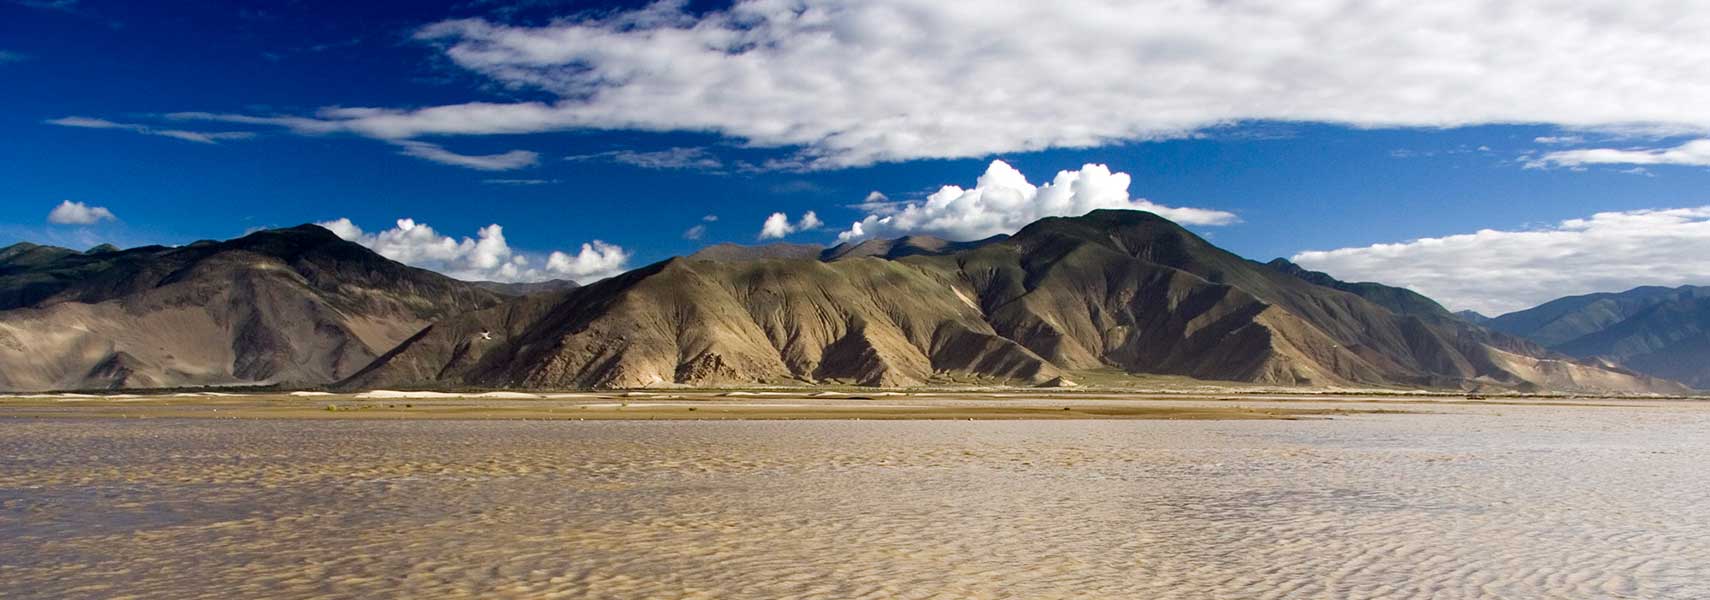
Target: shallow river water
1467 502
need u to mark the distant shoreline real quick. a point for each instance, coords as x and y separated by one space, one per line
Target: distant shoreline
760 405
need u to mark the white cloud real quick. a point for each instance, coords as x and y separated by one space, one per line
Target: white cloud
201 137
1560 140
597 260
1692 153
778 225
301 125
1495 272
487 257
695 233
508 161
810 221
853 82
520 182
877 203
78 213
696 159
710 218
1002 201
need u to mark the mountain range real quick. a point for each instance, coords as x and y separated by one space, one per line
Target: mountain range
1656 330
1108 294
295 307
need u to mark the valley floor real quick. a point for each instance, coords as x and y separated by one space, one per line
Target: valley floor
1296 496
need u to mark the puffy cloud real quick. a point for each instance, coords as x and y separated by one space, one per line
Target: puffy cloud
1002 201
1692 153
201 137
1495 272
78 213
597 260
810 221
853 82
508 161
487 257
778 225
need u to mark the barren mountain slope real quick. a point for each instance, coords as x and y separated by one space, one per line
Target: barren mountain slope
1117 289
292 306
696 322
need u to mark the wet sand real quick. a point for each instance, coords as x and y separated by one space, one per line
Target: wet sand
1449 499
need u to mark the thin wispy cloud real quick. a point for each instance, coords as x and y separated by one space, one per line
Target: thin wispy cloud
200 137
694 159
507 161
1694 153
1495 271
854 82
8 56
520 182
59 5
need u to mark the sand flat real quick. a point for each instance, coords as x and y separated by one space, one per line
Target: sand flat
1461 501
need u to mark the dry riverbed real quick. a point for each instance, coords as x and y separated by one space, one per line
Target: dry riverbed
1281 496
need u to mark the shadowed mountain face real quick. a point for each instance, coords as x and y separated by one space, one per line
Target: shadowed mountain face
1401 301
526 288
913 245
293 306
1112 289
1655 330
1474 317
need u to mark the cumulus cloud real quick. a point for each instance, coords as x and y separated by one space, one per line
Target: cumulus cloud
1496 272
201 137
852 82
778 225
1002 201
597 260
486 257
1692 153
78 213
508 161
675 159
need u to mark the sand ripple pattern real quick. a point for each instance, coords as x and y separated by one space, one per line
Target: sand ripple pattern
1528 503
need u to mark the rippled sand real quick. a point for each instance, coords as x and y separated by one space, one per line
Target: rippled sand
1463 502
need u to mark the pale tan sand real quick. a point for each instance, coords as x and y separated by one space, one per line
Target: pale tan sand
1466 501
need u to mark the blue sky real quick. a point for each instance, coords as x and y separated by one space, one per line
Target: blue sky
570 122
